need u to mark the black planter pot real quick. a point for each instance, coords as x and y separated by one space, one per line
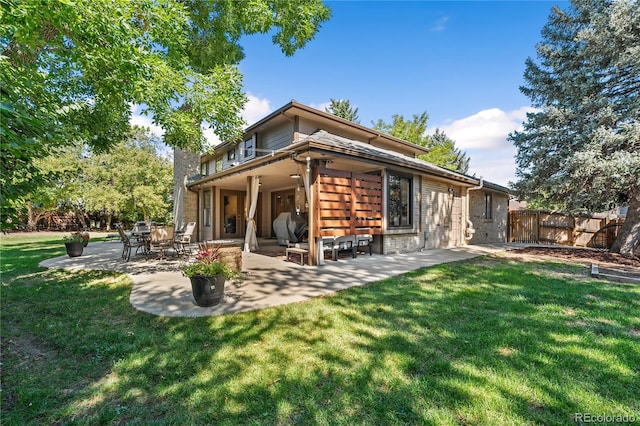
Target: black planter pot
74 249
207 290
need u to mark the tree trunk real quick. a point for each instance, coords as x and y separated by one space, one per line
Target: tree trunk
109 216
31 217
628 240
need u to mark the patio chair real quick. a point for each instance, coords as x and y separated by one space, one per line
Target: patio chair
182 240
128 244
363 244
160 239
335 245
344 243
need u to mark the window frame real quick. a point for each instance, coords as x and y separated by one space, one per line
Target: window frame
206 207
488 205
231 155
409 197
252 153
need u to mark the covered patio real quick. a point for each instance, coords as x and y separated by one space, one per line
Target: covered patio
159 288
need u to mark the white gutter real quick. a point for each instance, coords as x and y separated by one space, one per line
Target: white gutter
470 230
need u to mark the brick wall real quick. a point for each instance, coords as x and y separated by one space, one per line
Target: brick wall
401 243
489 230
438 221
185 203
442 214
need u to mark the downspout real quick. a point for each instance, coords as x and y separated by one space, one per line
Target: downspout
470 230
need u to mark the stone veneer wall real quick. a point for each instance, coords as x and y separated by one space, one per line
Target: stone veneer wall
185 203
492 230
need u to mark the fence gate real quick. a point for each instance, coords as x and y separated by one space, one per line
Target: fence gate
523 226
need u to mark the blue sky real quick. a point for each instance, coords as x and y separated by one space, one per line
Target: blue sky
462 62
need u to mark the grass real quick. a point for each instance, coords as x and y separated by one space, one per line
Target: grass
486 341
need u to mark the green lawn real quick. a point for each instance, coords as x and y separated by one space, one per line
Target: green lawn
487 341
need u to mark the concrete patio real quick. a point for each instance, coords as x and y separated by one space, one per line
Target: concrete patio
159 287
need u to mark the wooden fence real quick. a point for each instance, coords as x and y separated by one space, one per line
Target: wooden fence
544 227
348 203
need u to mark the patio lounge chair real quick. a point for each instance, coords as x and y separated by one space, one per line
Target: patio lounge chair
128 244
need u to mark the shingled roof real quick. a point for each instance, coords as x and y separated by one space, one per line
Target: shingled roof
323 139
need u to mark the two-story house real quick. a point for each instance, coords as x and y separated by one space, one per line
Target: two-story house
340 178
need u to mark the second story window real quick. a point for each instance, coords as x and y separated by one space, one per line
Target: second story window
231 155
204 169
218 164
249 147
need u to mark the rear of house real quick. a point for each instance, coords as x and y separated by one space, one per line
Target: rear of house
317 175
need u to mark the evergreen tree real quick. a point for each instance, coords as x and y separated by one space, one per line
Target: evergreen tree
443 152
581 149
342 108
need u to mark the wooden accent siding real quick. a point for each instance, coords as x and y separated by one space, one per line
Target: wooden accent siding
348 203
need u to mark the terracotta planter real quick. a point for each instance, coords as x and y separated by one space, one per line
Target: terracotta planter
74 249
207 290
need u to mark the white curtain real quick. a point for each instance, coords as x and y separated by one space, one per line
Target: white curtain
306 180
250 239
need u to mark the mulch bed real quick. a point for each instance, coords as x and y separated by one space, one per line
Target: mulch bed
608 263
581 255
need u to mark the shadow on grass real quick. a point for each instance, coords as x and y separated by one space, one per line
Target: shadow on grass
457 343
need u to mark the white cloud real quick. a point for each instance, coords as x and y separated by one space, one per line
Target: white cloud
255 109
321 106
439 25
484 137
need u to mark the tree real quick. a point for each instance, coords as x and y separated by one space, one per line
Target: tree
131 181
342 108
442 149
443 152
24 136
75 69
581 150
63 168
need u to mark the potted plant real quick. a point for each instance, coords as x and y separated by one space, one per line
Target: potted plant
208 274
74 243
85 236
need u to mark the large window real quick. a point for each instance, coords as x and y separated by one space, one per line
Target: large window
206 207
399 200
